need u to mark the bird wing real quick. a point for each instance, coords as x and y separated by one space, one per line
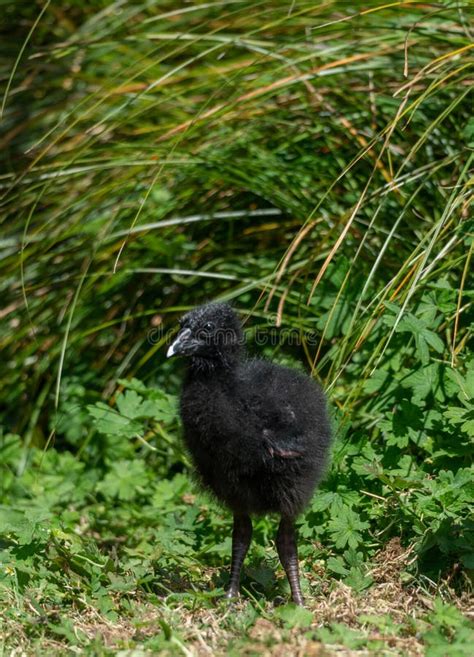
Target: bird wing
281 433
290 450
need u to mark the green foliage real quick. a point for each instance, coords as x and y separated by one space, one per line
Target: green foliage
294 616
310 162
451 633
345 527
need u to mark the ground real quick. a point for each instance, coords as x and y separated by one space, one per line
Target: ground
390 618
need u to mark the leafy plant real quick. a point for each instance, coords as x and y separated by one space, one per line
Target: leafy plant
311 163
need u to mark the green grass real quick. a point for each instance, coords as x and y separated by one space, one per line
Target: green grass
312 163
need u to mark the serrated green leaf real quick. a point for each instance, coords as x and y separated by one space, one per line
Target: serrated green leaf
129 404
358 580
294 616
336 565
433 340
346 528
125 481
422 349
111 423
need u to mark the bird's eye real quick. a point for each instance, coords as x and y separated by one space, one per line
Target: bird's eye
209 326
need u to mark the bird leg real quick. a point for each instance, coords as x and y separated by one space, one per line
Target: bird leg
241 536
288 553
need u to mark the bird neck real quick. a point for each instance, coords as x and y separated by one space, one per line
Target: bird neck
222 364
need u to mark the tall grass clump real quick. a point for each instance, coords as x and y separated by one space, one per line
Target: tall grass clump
312 163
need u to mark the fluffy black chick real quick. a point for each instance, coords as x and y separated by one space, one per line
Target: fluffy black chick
258 432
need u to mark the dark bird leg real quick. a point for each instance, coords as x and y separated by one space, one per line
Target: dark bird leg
241 536
288 553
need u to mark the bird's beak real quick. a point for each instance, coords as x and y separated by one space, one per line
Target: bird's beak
179 345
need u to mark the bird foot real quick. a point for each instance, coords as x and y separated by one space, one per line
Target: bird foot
232 595
298 600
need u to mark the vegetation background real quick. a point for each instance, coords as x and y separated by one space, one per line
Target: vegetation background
312 163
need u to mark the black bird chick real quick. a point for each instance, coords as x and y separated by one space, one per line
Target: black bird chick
258 432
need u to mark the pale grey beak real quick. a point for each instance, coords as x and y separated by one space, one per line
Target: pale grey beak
170 351
176 347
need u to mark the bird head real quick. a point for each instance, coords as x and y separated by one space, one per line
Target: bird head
209 334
